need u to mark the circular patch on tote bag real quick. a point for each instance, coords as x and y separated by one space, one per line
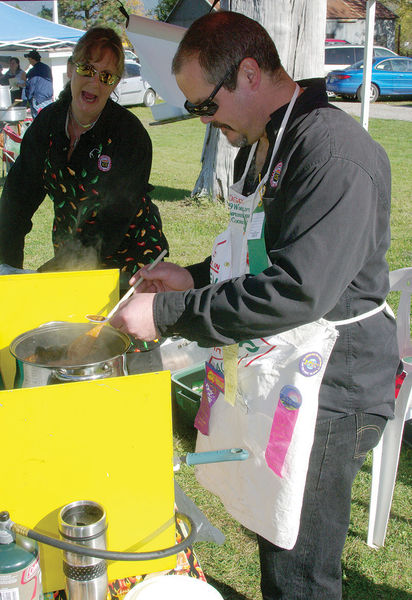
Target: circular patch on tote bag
290 397
310 364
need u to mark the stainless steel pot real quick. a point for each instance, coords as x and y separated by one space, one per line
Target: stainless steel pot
12 114
5 96
41 359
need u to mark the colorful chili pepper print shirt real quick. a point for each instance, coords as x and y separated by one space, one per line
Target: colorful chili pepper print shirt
100 195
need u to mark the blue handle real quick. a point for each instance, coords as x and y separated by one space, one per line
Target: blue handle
201 458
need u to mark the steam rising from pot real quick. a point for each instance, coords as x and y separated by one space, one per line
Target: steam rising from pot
73 256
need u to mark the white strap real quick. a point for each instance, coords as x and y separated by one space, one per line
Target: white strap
277 141
249 160
370 313
281 132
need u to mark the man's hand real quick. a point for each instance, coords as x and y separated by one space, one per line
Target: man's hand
165 277
135 316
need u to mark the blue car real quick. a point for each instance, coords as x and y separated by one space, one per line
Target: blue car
391 76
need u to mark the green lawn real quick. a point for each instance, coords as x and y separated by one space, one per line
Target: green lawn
190 225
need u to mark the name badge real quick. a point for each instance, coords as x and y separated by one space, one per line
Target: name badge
256 225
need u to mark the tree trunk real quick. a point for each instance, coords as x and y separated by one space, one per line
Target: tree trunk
298 30
217 166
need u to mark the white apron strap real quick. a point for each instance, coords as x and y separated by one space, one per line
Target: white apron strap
370 313
280 134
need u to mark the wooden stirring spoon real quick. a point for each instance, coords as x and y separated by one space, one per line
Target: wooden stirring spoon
83 344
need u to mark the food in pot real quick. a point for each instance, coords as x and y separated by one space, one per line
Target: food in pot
87 349
55 355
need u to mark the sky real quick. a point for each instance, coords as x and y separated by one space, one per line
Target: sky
35 6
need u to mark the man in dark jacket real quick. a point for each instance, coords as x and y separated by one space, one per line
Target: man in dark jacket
39 83
314 248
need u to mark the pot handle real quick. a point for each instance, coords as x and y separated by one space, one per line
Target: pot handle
63 376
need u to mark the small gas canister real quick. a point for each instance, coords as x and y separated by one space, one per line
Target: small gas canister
20 575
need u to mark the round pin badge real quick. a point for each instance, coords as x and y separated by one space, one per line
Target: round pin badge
310 364
275 175
104 163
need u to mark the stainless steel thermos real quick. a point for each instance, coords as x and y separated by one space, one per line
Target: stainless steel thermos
84 523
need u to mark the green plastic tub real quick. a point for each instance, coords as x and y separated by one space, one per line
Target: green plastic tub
187 386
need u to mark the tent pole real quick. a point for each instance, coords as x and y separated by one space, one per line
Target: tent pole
367 61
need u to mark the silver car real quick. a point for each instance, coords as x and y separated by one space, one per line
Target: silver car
132 88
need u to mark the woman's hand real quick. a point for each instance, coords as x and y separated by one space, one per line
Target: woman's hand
165 277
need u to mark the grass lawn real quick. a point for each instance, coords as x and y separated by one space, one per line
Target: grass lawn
191 225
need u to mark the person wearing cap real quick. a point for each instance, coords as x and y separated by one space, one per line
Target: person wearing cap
39 84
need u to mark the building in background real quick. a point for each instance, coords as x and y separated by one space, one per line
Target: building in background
346 19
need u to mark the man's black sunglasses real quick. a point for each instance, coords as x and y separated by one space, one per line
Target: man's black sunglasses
207 108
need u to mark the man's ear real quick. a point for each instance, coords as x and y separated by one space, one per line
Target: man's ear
249 73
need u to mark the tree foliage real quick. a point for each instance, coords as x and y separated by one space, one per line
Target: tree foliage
45 13
162 9
83 14
402 8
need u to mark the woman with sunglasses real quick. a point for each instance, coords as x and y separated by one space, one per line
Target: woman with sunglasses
92 157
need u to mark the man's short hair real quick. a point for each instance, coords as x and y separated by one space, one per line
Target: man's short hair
223 39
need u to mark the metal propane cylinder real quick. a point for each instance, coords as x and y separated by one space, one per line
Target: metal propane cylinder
20 575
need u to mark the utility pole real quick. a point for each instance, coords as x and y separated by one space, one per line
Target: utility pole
55 12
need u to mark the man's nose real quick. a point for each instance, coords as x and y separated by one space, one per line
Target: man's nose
206 120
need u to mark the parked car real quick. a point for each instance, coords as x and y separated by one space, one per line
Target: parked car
390 77
330 41
129 55
132 88
340 56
